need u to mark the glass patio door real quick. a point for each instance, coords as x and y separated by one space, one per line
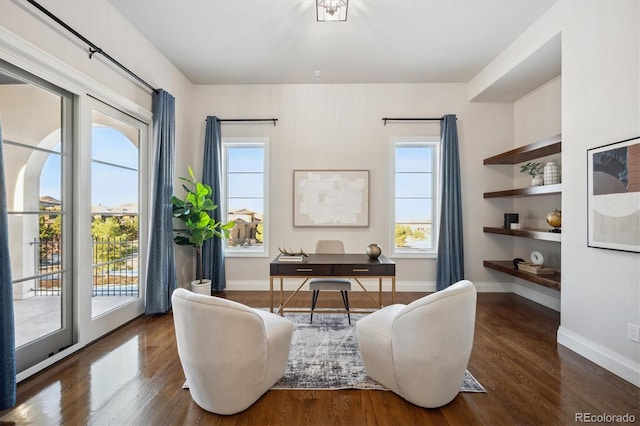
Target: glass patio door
37 140
117 145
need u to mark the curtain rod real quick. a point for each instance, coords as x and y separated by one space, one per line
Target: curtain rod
92 47
248 119
385 119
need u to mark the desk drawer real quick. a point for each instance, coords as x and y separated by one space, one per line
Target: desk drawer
302 270
362 270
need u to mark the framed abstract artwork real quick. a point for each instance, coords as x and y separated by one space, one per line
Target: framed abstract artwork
331 198
613 187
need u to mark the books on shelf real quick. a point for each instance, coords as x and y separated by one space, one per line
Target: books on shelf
535 269
289 258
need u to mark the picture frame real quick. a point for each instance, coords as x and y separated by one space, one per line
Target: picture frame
331 198
613 188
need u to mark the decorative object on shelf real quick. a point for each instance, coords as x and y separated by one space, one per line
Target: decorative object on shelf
534 170
536 258
551 173
374 251
290 252
537 180
613 203
510 218
517 261
554 219
515 226
535 269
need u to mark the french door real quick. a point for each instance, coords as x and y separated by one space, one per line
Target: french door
117 147
37 140
76 180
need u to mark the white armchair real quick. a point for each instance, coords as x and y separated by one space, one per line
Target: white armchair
421 350
231 354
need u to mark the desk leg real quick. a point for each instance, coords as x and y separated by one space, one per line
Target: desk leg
380 292
393 289
281 296
271 294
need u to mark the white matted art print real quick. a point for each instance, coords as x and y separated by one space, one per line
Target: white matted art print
331 198
614 196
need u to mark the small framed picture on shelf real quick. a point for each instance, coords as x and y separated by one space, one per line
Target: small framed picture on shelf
613 202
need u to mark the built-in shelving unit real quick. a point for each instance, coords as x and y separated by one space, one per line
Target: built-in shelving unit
542 148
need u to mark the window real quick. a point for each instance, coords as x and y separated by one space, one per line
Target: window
244 195
415 183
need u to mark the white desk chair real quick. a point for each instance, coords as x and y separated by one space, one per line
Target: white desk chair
341 284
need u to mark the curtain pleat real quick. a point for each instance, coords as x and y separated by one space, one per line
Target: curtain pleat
8 337
161 269
213 249
450 262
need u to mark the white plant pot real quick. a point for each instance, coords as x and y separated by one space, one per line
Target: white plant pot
204 288
537 180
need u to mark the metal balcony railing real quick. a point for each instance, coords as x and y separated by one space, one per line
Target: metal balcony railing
115 267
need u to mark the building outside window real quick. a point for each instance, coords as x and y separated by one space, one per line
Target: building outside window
244 195
415 192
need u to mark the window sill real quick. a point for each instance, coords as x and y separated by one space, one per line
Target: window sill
238 253
414 255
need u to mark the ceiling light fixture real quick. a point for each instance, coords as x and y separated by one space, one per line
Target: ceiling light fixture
331 10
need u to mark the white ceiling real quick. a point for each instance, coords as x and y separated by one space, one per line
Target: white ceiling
279 41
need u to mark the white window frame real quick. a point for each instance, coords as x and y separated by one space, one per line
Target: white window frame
433 142
231 142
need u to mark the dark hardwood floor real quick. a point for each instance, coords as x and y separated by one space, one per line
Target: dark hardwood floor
133 377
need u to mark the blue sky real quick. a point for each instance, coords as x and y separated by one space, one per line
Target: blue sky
245 185
413 179
111 185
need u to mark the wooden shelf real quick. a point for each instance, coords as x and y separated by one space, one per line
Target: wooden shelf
536 234
526 192
506 266
542 148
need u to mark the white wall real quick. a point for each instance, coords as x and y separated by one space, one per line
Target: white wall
600 105
340 127
601 288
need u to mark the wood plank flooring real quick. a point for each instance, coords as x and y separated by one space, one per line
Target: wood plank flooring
133 377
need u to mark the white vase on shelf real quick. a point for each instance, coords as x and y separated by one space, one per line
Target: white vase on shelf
537 180
551 173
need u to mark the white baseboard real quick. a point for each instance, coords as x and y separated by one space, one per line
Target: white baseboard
551 301
493 287
604 357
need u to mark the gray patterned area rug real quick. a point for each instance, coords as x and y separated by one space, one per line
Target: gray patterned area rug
325 355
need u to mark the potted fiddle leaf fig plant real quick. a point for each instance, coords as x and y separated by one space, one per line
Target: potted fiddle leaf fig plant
194 211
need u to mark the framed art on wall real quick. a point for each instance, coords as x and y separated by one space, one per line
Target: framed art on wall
331 198
614 196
